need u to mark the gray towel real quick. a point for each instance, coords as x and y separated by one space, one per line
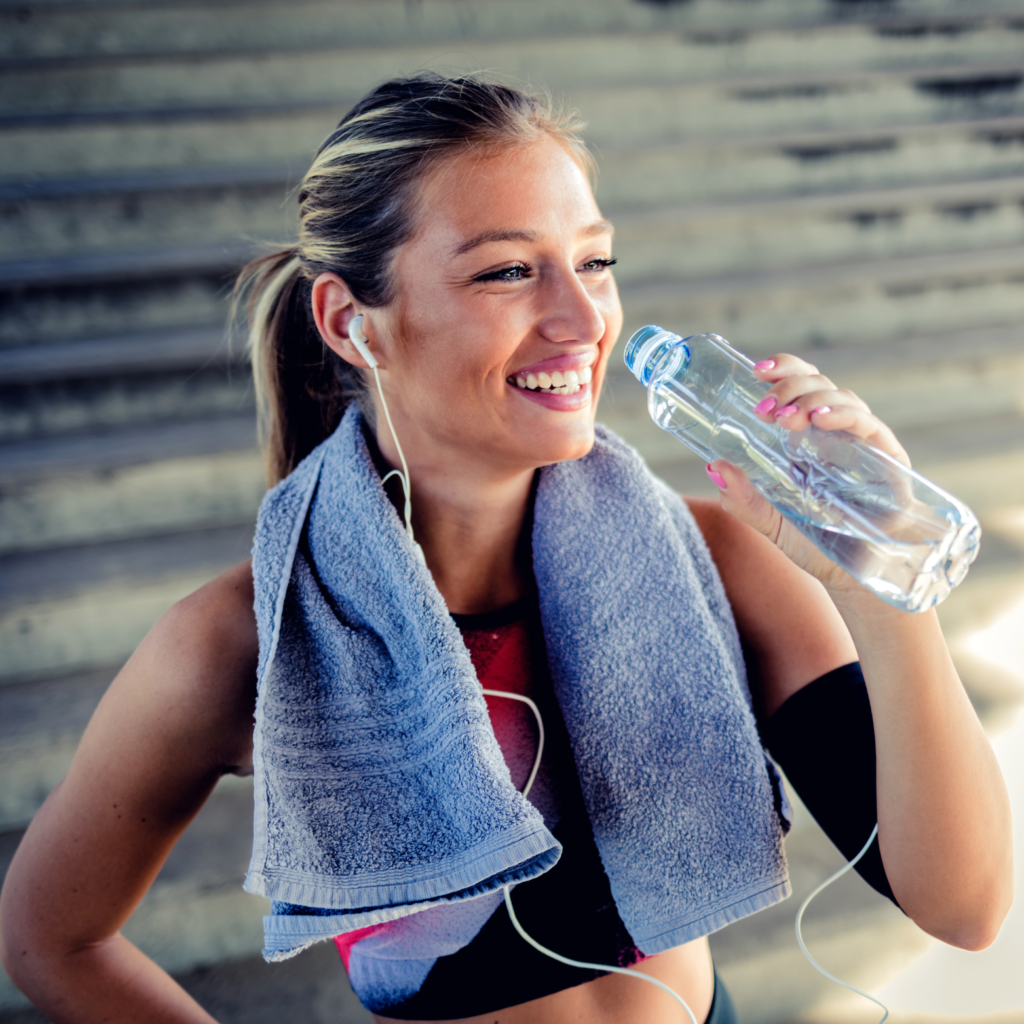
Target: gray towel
380 788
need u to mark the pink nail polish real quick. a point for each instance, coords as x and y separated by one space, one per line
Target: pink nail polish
766 404
765 364
822 408
716 478
786 410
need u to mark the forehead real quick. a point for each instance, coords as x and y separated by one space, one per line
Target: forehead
534 187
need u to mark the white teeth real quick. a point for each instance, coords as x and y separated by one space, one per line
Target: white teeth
556 383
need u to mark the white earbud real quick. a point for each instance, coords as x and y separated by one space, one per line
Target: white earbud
356 333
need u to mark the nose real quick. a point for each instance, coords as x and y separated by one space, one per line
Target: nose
569 311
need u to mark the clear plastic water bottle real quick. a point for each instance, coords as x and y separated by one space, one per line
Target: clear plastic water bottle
903 538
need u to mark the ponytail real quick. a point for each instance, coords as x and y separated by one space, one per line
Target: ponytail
301 386
357 205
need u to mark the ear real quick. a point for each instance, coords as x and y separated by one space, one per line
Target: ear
333 310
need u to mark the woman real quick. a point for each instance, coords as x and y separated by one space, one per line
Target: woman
456 219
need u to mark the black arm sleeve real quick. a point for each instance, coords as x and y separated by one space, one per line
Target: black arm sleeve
823 737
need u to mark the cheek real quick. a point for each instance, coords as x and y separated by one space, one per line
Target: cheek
454 355
453 381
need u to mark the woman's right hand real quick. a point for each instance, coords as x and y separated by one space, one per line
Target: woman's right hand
176 718
800 396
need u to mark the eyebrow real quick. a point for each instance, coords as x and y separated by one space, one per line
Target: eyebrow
513 235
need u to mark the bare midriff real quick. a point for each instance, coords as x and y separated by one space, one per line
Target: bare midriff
617 999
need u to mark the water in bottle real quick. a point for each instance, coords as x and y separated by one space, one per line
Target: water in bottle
903 538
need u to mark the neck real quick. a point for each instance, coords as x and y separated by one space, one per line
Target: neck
472 523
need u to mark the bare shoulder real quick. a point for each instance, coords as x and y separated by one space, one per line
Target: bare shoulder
791 631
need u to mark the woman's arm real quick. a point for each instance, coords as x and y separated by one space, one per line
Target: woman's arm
176 718
791 632
944 823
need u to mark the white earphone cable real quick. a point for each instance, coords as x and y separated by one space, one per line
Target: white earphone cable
403 474
359 339
592 967
540 731
799 935
508 892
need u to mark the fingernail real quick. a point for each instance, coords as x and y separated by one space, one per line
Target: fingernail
822 408
786 410
765 364
716 478
766 404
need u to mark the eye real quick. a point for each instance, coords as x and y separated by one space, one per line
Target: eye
517 272
599 264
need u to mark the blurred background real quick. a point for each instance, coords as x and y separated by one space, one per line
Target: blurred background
838 178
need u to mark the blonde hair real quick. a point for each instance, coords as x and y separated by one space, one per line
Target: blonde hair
356 206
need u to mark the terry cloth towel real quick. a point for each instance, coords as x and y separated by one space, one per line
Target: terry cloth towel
380 788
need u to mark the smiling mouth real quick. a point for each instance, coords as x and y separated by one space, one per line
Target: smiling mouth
556 383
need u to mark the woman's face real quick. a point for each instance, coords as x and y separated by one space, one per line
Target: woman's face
502 294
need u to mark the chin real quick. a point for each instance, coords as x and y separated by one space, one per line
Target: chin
566 449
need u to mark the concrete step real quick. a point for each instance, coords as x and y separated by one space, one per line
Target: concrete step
704 239
63 310
225 138
792 101
151 479
106 383
134 219
123 399
72 609
827 161
80 237
31 31
614 59
248 152
187 134
41 723
127 209
99 357
659 242
88 268
802 103
808 308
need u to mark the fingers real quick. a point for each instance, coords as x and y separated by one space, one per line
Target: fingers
783 364
861 424
801 396
741 500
